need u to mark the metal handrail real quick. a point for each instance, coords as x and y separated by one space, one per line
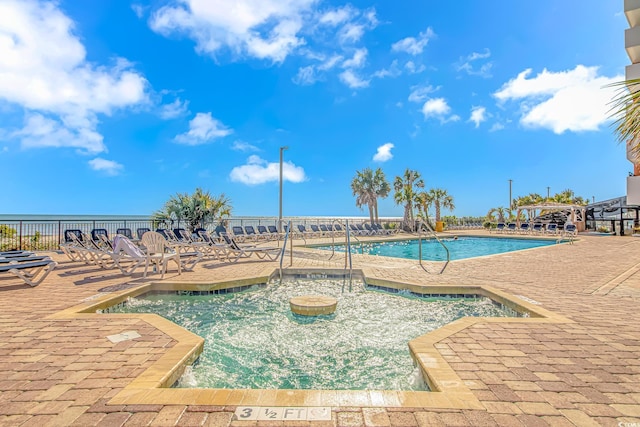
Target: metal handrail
333 237
355 236
284 247
420 222
348 253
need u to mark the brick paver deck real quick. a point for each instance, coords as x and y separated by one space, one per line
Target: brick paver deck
58 372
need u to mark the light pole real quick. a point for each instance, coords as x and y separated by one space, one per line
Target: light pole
548 188
510 199
280 199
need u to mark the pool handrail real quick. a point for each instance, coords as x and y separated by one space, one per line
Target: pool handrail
284 247
348 239
421 222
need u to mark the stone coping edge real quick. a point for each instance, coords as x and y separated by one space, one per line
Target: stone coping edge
448 390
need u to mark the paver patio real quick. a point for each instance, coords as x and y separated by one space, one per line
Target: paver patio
59 372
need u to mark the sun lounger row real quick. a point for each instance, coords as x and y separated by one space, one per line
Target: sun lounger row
31 268
465 226
335 230
536 228
156 248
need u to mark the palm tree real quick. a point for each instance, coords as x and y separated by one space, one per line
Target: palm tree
197 209
569 197
440 199
406 192
423 206
500 212
531 199
361 186
381 188
367 186
625 111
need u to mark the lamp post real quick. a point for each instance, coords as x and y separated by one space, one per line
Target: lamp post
548 188
280 199
510 198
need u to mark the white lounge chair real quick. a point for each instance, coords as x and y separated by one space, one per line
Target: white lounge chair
161 252
570 230
238 251
31 272
124 250
552 228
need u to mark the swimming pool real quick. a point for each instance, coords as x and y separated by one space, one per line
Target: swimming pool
253 341
460 248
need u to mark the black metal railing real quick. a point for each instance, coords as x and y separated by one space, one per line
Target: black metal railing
46 235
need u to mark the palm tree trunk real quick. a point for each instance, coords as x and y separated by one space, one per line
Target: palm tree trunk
370 205
406 216
375 210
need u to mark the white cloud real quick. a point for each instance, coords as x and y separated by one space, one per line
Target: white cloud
360 21
265 29
109 167
176 109
330 63
44 70
271 30
351 33
258 171
41 131
337 16
496 127
435 107
438 108
138 9
467 64
412 45
573 100
306 76
412 68
202 129
384 153
478 115
349 78
243 146
420 93
358 59
392 71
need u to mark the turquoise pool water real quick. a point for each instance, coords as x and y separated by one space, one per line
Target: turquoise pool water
252 340
461 248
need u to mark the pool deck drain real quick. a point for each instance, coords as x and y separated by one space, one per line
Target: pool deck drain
61 370
124 336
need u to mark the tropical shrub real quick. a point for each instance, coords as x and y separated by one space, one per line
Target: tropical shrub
197 210
6 231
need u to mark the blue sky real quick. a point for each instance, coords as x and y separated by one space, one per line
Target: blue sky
110 107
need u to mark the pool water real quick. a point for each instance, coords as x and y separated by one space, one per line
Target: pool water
252 340
461 248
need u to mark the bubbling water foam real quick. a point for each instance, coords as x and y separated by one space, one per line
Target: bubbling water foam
252 340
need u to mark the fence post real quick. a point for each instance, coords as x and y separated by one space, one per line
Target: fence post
59 232
20 237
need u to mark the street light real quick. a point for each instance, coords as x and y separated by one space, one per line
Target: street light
510 199
280 205
548 188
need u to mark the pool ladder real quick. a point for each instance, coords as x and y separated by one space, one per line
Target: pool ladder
420 235
284 246
348 263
